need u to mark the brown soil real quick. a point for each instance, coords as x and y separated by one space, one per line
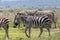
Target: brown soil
55 29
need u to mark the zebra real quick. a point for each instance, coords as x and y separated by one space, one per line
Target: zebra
42 22
49 13
4 23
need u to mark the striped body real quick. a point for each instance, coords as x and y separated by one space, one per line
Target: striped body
31 21
4 23
40 20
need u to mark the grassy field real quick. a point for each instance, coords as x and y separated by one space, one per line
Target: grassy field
18 34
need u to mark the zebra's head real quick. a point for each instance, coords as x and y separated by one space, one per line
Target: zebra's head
16 20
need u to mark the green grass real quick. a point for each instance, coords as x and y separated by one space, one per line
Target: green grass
16 34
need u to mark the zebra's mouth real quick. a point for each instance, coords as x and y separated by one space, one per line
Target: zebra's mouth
15 25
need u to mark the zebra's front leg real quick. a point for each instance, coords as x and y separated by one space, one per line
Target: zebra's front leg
29 31
19 26
41 29
26 31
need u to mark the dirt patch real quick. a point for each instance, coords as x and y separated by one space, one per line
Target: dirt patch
52 30
55 30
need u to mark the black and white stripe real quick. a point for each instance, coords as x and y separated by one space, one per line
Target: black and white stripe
4 23
4 20
40 21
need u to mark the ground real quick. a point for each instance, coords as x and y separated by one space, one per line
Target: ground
18 34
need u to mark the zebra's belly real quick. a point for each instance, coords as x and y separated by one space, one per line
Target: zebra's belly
35 26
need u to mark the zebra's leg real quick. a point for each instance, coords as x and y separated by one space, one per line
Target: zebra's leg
19 26
6 30
41 29
48 26
54 21
48 30
55 24
29 31
26 28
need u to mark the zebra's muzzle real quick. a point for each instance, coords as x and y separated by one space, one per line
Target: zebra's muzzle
15 25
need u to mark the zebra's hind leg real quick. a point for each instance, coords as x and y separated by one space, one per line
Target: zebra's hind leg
6 27
41 29
7 31
48 30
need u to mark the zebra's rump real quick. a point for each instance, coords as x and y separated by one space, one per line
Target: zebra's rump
4 21
41 21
